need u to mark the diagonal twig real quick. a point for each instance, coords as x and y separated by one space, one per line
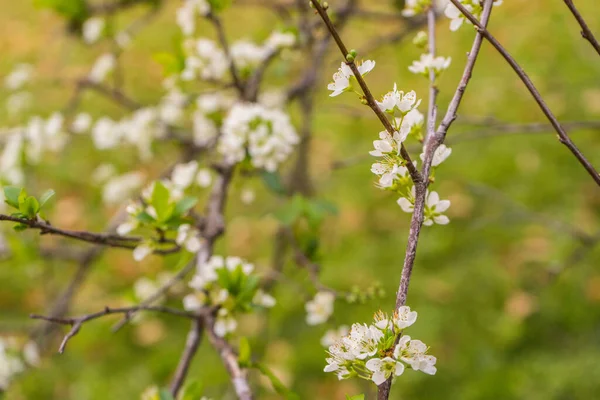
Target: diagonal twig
586 33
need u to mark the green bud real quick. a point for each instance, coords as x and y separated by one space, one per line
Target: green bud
354 53
364 101
325 5
350 57
421 40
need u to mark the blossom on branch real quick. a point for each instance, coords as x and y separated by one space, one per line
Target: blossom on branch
342 79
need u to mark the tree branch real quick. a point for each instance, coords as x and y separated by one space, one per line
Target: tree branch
563 137
191 347
414 173
586 33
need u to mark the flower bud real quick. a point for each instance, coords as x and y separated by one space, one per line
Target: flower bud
421 40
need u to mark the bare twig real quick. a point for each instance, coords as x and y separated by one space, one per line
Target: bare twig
433 90
105 239
216 21
191 347
586 33
563 137
239 375
77 322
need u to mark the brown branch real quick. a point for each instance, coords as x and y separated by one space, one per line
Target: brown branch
563 137
414 173
191 347
237 82
77 322
105 239
433 141
239 375
586 33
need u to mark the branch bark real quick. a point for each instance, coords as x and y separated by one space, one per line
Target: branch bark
586 33
563 137
191 347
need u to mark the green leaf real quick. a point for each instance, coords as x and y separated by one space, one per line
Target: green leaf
29 207
219 5
11 195
161 201
20 227
48 194
71 9
292 211
184 205
244 352
277 384
165 395
192 390
273 182
171 63
356 397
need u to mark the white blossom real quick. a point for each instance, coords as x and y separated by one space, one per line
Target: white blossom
399 101
440 155
106 133
103 172
31 354
183 174
434 207
248 196
188 12
19 76
413 352
472 6
204 178
341 79
121 188
205 130
102 67
142 251
266 134
225 323
81 123
263 299
333 335
205 60
189 237
427 63
92 29
320 308
414 7
384 368
279 40
18 102
404 317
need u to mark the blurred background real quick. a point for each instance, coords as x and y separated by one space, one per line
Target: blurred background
508 293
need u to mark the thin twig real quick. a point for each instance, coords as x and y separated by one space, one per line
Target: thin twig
191 347
563 137
433 90
77 322
586 33
216 21
414 173
105 239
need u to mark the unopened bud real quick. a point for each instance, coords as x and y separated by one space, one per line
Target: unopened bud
421 40
364 101
325 5
350 57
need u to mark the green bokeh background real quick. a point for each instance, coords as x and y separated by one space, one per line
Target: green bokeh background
508 298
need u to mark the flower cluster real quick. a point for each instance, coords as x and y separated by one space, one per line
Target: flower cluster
229 285
188 12
264 135
19 99
414 7
14 359
429 63
205 60
379 351
473 6
208 117
342 79
320 308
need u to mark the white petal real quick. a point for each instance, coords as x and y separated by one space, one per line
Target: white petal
441 220
442 206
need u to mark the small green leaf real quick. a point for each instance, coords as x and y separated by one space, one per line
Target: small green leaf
277 384
184 205
356 397
273 181
145 218
244 352
11 195
219 5
192 391
165 395
161 201
20 227
29 206
48 194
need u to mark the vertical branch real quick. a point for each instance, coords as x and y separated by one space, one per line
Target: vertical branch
191 347
563 137
586 33
432 142
433 90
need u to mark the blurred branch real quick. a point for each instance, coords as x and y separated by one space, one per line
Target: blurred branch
237 82
105 239
77 322
586 33
239 375
191 347
433 90
489 132
563 137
